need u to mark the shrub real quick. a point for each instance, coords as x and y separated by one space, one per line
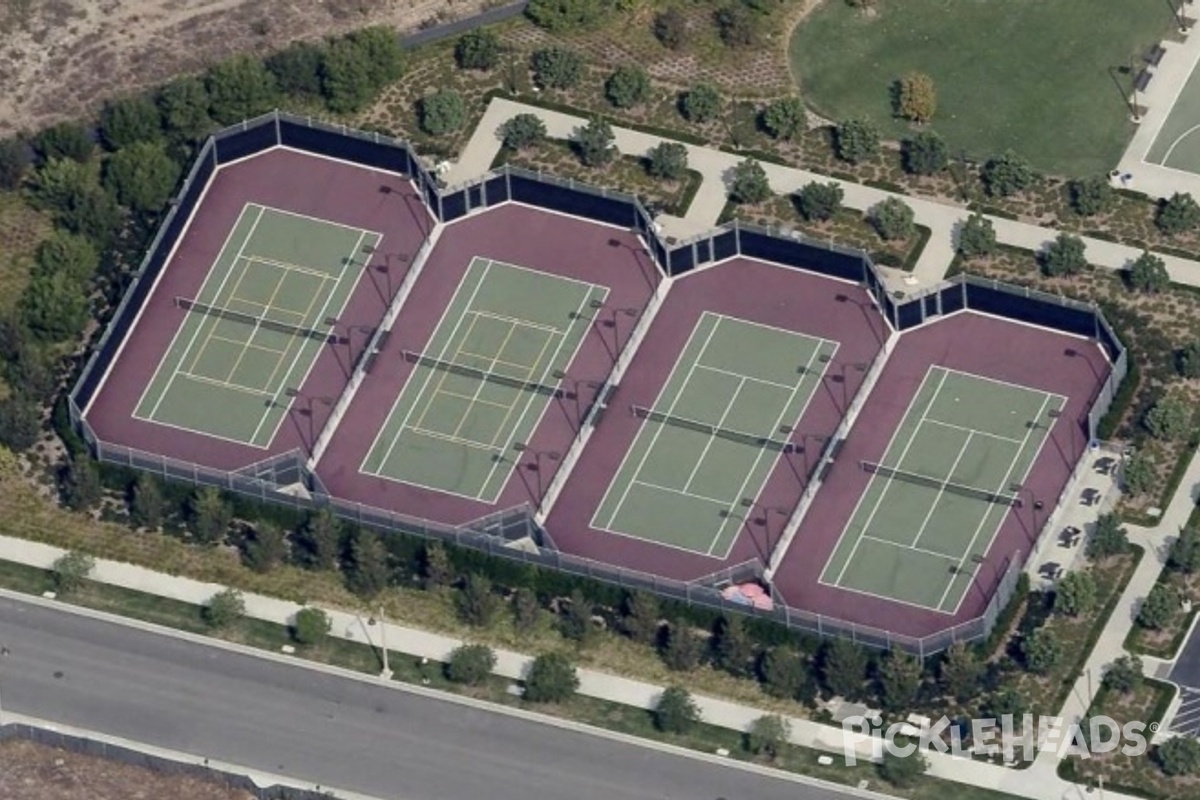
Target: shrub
785 118
892 219
856 140
128 120
916 98
668 161
670 28
750 184
594 142
675 711
1178 214
297 69
1179 756
470 664
925 154
477 601
551 679
1184 555
239 88
20 422
142 176
67 140
312 625
522 131
1124 675
641 619
684 649
478 49
783 671
1109 538
976 237
1090 196
736 25
1075 594
14 162
819 202
224 608
628 86
701 104
575 623
767 735
556 68
1041 650
1064 256
443 112
70 570
1138 475
567 15
1170 419
1006 174
1159 607
1148 274
843 667
901 771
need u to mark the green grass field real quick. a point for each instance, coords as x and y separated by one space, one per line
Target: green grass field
1037 76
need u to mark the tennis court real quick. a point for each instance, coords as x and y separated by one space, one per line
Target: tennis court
253 332
489 372
721 422
950 475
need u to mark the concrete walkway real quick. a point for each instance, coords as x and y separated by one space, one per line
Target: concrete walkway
715 166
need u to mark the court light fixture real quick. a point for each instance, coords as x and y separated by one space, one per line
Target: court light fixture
596 303
291 392
331 321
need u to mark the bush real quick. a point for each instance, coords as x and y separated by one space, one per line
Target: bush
1109 538
1159 607
1170 419
551 679
819 202
477 601
892 219
736 25
556 68
20 422
129 120
68 140
1006 174
843 667
1184 555
442 112
976 237
1178 214
750 184
14 162
142 176
1041 650
147 506
1124 675
240 88
567 15
522 131
925 154
209 516
641 619
1090 196
785 118
1064 256
478 49
901 771
470 664
224 608
701 104
297 69
184 106
675 712
312 625
1148 274
783 671
1138 475
627 87
575 622
70 571
1075 594
684 649
1179 756
856 140
916 98
767 735
594 142
670 28
668 161
82 489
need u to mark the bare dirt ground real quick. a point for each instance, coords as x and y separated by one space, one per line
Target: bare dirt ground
31 771
61 58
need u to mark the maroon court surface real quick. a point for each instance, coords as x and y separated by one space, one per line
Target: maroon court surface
290 181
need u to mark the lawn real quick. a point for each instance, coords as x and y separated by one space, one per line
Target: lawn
1042 77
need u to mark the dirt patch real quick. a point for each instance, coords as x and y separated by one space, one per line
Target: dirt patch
60 58
31 771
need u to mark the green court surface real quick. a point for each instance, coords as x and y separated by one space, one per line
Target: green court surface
714 435
484 381
1177 143
256 326
963 449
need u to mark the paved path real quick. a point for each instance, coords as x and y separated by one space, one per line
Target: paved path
941 217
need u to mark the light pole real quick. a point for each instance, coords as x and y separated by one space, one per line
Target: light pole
3 653
536 466
955 569
576 383
307 411
615 313
386 672
350 329
857 366
750 503
1035 505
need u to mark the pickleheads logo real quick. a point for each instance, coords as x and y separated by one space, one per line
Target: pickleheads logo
995 736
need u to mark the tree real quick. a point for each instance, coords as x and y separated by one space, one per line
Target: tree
20 422
93 213
556 68
1006 174
819 202
240 88
641 619
675 711
1179 755
477 601
684 648
436 568
925 154
70 570
1090 196
1109 538
267 547
527 611
856 140
566 15
1138 474
1148 274
1178 214
130 120
68 253
901 771
384 54
627 86
916 97
783 671
960 672
478 49
843 667
594 142
785 118
667 161
442 112
1159 607
367 572
470 664
346 77
551 679
147 506
318 541
1006 701
700 104
900 677
1184 555
224 608
66 140
1075 594
976 237
1124 675
750 184
184 104
671 28
1064 256
82 489
575 623
522 131
57 183
297 69
736 25
1041 650
54 306
210 516
733 649
142 176
1170 419
767 735
14 162
893 219
311 626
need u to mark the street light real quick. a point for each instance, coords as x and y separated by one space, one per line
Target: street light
536 466
857 366
307 411
750 503
576 383
955 569
386 672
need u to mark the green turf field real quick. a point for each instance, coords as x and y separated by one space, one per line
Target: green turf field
730 404
1038 76
277 280
487 375
913 536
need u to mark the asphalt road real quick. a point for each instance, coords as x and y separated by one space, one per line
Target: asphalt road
328 729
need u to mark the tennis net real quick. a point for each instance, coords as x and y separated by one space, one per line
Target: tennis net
712 430
481 374
947 486
250 319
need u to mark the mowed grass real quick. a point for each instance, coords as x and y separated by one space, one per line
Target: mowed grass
1041 77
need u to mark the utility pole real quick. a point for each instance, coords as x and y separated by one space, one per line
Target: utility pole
386 674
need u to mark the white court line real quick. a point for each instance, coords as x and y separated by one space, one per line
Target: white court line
1167 156
354 228
999 382
543 274
975 431
446 437
921 550
290 267
708 445
763 381
522 322
200 326
236 387
962 451
693 495
888 485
